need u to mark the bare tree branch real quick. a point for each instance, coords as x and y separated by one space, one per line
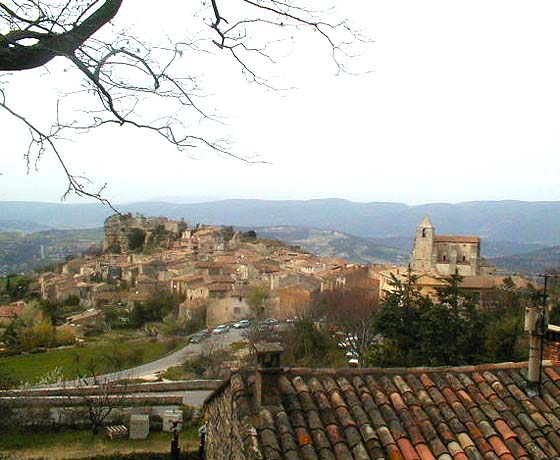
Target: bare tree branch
129 76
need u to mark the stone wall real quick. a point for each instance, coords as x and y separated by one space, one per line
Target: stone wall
227 310
223 436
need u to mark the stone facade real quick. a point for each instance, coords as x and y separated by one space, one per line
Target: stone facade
118 226
233 307
225 427
445 254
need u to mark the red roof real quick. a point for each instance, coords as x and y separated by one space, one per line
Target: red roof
472 412
11 311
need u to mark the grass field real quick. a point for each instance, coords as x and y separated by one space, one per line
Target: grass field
81 443
108 356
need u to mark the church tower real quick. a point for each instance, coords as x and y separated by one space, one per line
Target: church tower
423 252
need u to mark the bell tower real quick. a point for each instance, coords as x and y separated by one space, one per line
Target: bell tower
423 251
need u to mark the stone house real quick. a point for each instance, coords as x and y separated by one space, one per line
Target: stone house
459 413
232 307
182 284
482 286
209 268
350 278
90 320
11 311
294 297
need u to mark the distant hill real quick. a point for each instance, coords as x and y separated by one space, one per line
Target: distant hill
21 226
22 253
531 262
329 243
517 222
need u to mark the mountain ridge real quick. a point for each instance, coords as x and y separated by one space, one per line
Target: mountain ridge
506 220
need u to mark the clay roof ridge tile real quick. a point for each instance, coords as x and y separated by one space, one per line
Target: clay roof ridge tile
490 377
449 395
300 385
465 398
454 381
414 382
266 421
440 381
315 385
547 447
498 445
427 381
436 395
285 385
407 449
491 413
344 384
505 431
486 429
329 384
504 377
388 385
518 378
337 400
398 402
401 385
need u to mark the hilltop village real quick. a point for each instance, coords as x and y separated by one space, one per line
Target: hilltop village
447 307
223 271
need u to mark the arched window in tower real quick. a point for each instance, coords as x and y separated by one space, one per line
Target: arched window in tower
423 233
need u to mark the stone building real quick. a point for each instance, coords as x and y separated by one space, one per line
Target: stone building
118 227
446 254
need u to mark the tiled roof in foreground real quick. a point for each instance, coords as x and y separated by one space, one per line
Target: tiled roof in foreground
472 412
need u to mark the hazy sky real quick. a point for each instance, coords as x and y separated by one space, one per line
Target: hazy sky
463 103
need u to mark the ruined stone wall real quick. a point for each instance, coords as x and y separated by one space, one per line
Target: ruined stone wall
117 227
223 436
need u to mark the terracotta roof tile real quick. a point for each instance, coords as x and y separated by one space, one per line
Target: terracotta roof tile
468 413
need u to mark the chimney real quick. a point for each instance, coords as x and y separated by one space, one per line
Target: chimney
535 325
268 371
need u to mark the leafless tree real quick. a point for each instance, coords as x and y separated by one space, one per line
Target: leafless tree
126 75
103 396
351 315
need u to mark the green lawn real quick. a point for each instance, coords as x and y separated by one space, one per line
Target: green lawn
107 356
81 443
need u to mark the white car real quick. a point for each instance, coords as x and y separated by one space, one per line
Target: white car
244 323
270 321
221 329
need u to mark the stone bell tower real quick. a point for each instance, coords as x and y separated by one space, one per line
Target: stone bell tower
423 252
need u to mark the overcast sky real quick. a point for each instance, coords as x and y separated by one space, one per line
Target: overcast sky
463 103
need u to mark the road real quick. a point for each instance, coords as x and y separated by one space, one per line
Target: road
190 351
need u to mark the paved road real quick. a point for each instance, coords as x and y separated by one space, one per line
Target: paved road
190 351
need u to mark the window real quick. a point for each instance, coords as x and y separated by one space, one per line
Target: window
464 258
423 233
443 257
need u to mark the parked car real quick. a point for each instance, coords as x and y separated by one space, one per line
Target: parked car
221 329
244 323
270 321
198 337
